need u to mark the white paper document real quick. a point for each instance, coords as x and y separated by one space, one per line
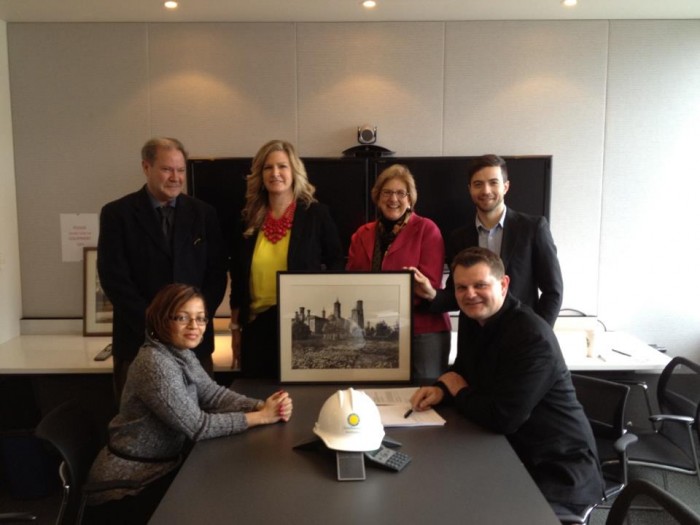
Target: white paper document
391 396
393 403
393 416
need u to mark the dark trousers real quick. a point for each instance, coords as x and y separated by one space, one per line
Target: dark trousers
134 510
260 346
430 354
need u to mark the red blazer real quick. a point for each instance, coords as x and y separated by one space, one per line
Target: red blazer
419 244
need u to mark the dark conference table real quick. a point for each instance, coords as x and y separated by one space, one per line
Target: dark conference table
459 473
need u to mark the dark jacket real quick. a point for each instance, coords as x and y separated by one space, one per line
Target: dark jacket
134 262
519 386
314 246
530 259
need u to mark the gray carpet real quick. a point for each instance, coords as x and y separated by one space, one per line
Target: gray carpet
685 487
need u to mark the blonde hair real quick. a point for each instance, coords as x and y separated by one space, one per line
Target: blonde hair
396 171
256 195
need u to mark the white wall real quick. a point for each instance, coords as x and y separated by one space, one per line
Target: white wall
609 100
651 186
10 292
533 88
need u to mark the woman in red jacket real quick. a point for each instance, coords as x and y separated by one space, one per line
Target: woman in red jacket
400 238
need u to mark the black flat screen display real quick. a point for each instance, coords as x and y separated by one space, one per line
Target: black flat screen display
344 185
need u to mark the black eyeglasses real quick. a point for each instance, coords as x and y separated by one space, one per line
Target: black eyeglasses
185 320
400 194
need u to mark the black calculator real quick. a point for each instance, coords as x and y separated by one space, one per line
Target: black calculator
388 458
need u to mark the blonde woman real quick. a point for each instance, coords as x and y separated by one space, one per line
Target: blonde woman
284 229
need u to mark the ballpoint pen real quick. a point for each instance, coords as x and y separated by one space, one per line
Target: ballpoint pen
408 413
621 353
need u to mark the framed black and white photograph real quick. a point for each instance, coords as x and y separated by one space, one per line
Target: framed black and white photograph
97 310
345 327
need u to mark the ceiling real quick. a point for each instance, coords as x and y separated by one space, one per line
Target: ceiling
339 10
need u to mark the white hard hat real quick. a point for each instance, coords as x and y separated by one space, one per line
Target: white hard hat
349 421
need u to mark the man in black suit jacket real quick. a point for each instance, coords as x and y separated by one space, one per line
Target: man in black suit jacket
154 237
523 242
510 377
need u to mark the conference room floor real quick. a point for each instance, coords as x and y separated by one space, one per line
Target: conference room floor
686 488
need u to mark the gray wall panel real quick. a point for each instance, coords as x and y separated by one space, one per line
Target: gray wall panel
532 88
650 219
384 74
80 112
615 103
223 89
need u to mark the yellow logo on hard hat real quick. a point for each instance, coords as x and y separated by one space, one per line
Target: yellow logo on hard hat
353 420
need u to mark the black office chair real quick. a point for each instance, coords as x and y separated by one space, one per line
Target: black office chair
639 487
604 404
72 430
671 444
77 435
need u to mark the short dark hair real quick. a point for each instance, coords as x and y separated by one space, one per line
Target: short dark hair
149 152
490 160
475 255
163 307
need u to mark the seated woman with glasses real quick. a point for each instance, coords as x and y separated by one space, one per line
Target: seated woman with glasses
398 239
168 399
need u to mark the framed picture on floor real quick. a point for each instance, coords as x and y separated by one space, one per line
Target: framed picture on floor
97 310
345 327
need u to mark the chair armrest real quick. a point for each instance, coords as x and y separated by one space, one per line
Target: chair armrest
620 447
656 418
14 517
571 519
639 383
624 441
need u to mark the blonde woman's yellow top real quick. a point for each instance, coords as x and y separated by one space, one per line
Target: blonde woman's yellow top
268 259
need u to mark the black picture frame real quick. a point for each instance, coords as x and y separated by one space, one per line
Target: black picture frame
351 327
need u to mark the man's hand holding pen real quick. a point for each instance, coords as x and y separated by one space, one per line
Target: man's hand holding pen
429 396
425 397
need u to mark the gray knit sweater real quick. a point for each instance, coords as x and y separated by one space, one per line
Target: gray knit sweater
167 398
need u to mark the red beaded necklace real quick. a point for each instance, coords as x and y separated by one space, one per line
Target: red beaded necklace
275 229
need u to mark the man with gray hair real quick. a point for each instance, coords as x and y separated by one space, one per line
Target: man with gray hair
153 237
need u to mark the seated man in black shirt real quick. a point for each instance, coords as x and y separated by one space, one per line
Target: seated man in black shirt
510 377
